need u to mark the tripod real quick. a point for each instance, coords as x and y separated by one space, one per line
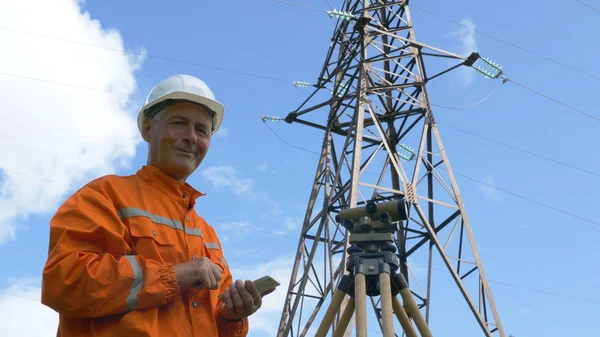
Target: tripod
372 267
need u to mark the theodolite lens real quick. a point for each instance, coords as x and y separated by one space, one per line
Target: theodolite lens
371 207
384 216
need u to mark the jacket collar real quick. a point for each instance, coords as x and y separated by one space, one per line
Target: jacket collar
184 194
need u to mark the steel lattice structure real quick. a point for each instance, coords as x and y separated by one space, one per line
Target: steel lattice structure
381 142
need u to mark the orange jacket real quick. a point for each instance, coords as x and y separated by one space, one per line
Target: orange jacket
113 245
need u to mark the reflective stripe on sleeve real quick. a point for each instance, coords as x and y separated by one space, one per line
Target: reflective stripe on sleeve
212 245
136 285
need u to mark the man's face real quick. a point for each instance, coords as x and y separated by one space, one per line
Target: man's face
179 138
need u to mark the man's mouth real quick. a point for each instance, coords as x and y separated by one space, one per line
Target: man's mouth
186 152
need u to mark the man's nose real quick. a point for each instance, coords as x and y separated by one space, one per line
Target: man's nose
189 134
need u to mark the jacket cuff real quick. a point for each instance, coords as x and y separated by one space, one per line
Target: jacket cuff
232 328
168 278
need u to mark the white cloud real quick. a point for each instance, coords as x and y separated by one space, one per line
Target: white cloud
22 314
236 228
526 311
57 132
262 167
468 45
467 37
417 271
488 190
266 321
290 223
227 177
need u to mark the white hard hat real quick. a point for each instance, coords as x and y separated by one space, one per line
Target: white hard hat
184 88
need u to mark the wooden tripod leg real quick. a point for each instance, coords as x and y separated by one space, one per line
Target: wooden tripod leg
415 313
385 289
360 296
405 322
345 319
333 308
411 305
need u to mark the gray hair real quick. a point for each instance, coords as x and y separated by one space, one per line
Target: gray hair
153 112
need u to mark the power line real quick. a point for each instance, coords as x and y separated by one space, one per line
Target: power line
588 6
470 105
36 177
546 292
255 75
230 223
526 198
497 282
555 100
288 144
523 287
168 59
65 84
532 90
478 32
521 150
39 302
455 172
508 43
301 148
299 5
505 78
489 139
289 237
296 147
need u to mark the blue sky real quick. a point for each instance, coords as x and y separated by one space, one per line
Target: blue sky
254 180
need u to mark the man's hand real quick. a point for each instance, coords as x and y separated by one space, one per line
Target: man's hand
241 300
200 273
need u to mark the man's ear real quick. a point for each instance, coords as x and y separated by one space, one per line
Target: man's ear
146 126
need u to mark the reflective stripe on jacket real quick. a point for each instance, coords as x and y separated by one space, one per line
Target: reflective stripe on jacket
113 245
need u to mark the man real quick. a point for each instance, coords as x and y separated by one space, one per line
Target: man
129 255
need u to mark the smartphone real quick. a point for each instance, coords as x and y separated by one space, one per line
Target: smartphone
263 285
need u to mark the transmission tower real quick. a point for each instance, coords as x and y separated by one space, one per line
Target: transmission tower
381 143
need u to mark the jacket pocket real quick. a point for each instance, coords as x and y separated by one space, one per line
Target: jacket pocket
155 241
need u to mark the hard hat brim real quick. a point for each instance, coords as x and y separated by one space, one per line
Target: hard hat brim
217 108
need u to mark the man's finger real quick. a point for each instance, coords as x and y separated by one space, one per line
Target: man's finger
210 279
256 296
228 301
238 304
246 297
217 272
